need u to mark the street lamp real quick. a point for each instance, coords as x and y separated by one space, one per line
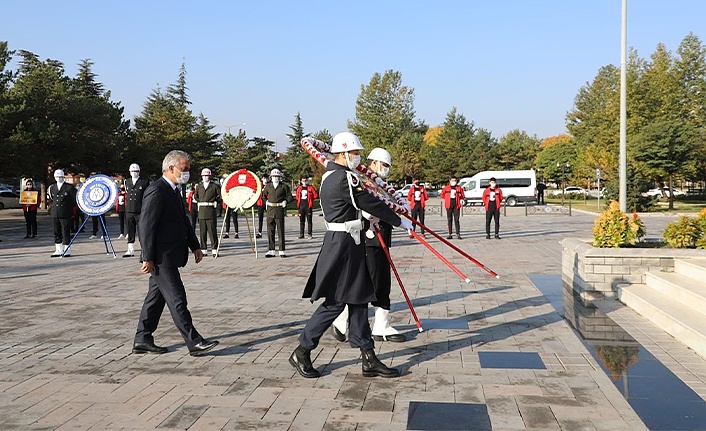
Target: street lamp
563 174
233 125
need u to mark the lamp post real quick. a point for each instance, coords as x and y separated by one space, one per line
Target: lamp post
563 174
233 125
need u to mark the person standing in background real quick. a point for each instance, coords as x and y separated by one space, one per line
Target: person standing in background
30 211
492 199
417 198
63 200
277 195
306 194
207 196
135 187
453 196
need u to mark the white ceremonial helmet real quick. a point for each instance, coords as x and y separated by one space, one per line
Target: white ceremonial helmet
58 173
134 167
205 171
345 141
275 173
381 155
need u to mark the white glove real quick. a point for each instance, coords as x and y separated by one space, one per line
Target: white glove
367 215
406 224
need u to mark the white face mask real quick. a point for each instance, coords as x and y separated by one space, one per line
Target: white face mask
135 175
60 181
275 182
304 183
384 172
184 177
206 180
453 183
353 164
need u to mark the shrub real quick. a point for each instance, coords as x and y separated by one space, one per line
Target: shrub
682 233
615 229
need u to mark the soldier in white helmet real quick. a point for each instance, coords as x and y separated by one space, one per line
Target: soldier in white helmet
276 195
135 187
378 266
63 199
207 196
339 275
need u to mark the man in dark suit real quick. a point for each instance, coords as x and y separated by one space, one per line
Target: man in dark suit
166 237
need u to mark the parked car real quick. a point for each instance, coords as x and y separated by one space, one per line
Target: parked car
570 190
404 191
595 193
658 193
9 199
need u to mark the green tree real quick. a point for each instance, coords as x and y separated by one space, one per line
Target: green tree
384 111
516 150
316 169
236 153
296 160
663 148
447 157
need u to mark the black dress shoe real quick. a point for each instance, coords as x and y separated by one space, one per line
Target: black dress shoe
340 336
458 236
449 237
140 348
301 361
202 347
497 236
395 338
487 237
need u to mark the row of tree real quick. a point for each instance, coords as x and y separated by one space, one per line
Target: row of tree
49 120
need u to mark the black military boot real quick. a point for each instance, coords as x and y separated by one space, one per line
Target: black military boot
301 360
372 367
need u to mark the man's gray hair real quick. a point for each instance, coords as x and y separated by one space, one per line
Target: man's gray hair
173 157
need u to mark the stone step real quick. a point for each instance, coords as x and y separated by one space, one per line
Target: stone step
684 324
688 291
694 268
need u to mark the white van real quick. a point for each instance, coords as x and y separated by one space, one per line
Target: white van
517 186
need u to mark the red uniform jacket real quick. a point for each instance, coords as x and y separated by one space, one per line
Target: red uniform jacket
423 197
117 202
446 195
190 197
498 197
28 207
311 195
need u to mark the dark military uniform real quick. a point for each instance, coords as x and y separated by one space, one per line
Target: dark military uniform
378 265
276 200
339 275
207 200
63 201
135 190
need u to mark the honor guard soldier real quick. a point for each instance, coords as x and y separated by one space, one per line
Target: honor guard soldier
207 196
339 275
63 199
306 195
135 187
377 264
277 195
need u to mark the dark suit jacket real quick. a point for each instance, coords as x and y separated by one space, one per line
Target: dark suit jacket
63 200
165 232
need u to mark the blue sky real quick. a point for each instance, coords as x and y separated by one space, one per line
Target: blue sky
513 64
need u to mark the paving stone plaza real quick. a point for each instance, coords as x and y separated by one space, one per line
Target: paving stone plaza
494 354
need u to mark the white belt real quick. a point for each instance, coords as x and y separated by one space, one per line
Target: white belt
278 204
208 204
353 227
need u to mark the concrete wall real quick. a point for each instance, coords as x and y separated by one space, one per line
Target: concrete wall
596 272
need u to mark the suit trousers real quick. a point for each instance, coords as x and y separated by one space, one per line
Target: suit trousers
133 219
276 222
234 215
166 287
62 230
418 214
194 217
208 226
359 333
379 270
260 216
453 214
